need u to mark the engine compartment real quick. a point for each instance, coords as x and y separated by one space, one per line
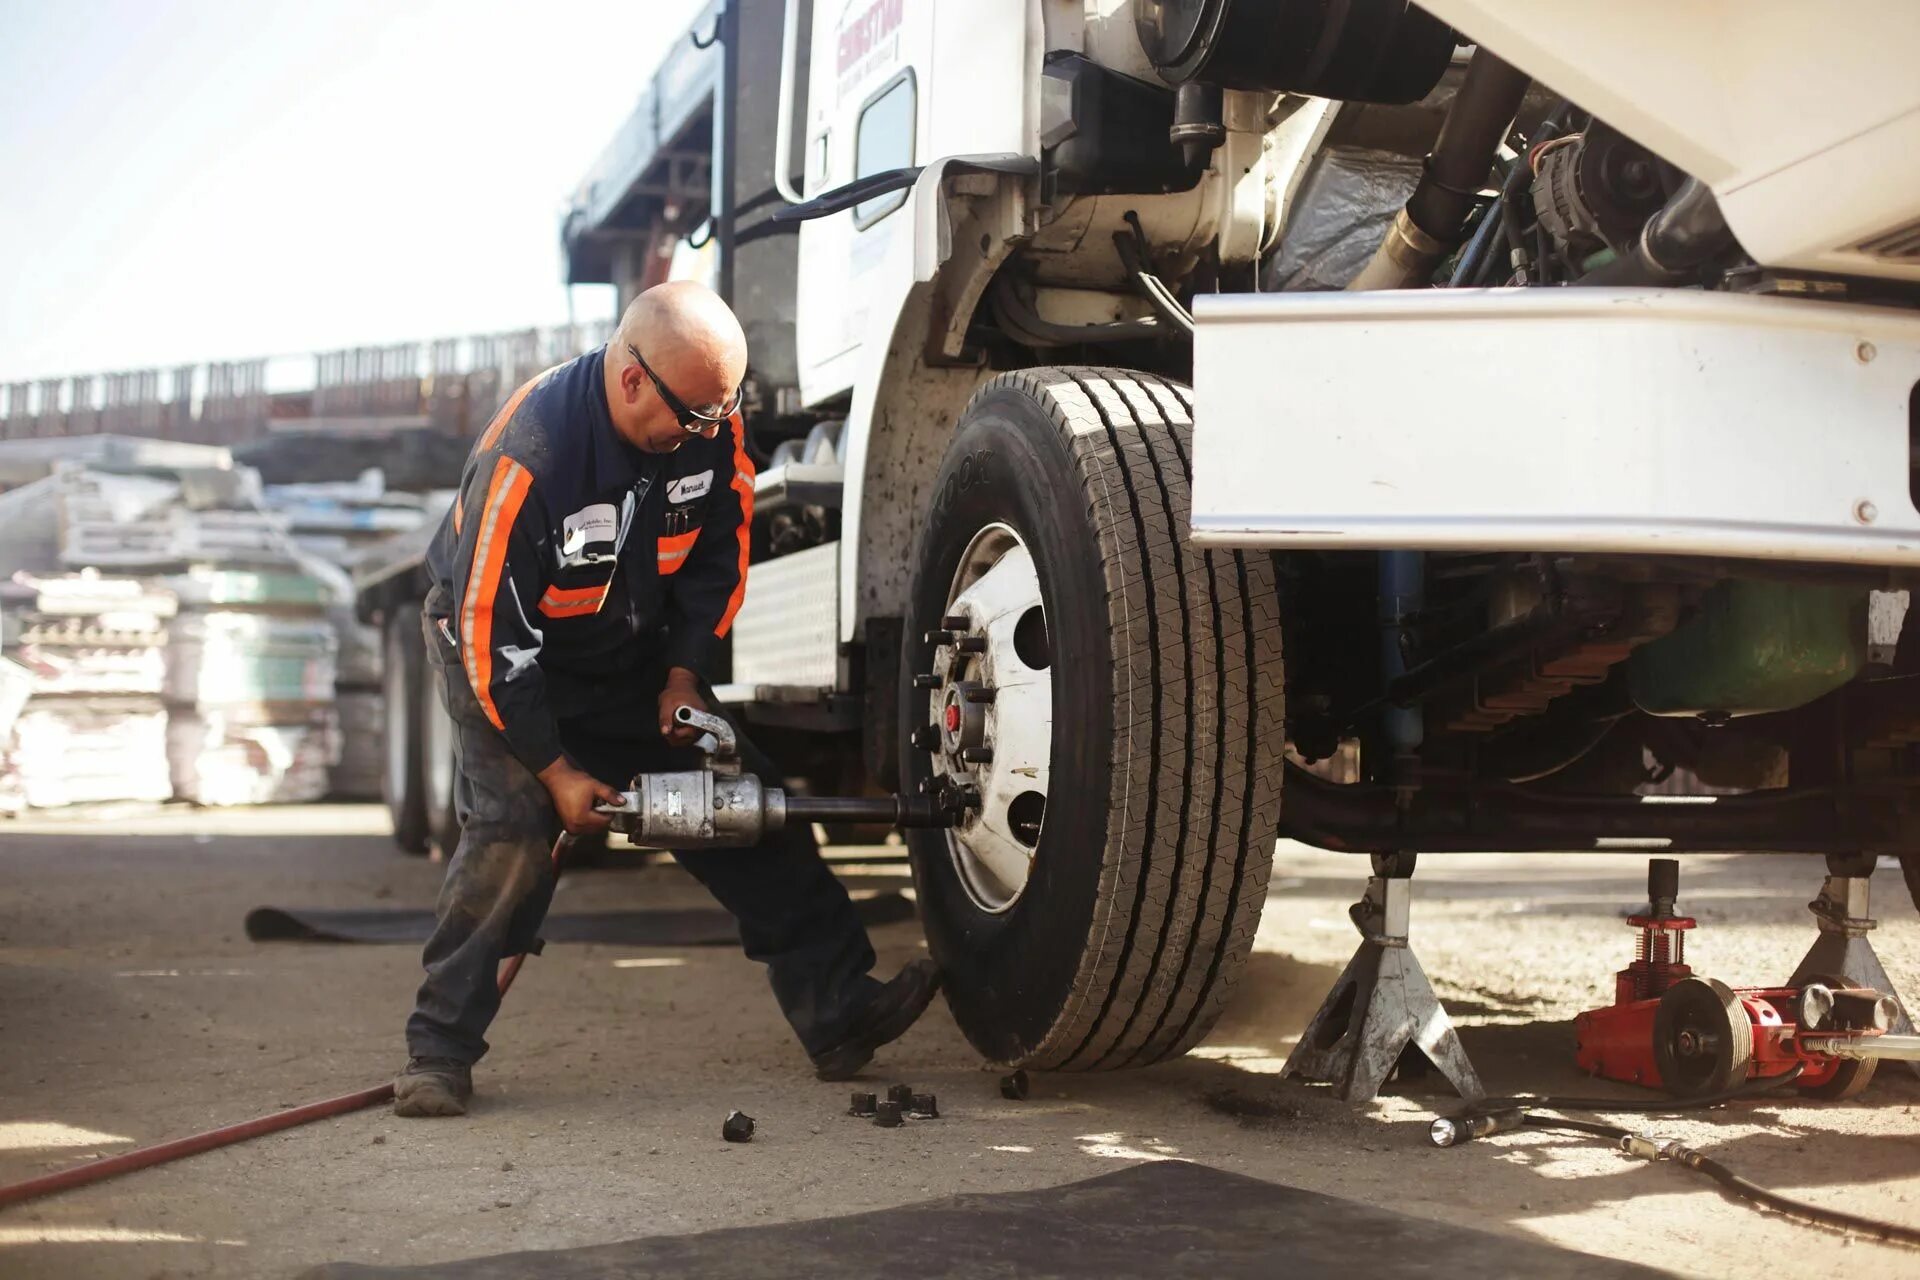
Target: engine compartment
1514 695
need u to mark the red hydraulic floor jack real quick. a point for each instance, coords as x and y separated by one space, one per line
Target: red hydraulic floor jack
1696 1037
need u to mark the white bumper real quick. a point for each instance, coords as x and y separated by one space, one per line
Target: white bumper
1594 420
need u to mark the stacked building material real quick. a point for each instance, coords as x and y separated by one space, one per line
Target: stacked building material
336 523
250 683
83 674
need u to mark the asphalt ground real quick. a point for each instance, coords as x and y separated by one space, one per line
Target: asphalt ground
133 1009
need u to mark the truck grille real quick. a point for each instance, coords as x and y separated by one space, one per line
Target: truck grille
1902 244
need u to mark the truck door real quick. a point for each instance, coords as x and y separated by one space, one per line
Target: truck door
863 116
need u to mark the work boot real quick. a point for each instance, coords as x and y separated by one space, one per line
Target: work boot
897 1006
433 1087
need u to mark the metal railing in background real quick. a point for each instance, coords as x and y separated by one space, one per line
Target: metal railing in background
452 385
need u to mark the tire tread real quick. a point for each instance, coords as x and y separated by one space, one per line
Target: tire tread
1198 720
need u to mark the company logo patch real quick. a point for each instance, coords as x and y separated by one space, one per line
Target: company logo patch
599 523
687 488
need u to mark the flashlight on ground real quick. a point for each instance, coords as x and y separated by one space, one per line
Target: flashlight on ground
1451 1131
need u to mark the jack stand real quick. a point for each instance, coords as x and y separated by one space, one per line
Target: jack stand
1383 1006
1842 950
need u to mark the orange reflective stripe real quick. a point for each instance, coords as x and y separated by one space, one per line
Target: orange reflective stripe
672 552
500 419
506 493
573 602
577 595
459 509
743 485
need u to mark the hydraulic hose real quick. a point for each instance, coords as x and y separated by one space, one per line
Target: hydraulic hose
1502 1115
227 1135
1136 257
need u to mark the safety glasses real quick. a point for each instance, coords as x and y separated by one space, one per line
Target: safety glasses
691 420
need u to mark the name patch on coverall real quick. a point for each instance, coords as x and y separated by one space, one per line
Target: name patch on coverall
687 488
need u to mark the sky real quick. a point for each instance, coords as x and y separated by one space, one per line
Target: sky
192 180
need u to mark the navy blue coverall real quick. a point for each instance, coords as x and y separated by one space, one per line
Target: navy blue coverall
572 572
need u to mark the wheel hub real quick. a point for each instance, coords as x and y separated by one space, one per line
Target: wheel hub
990 703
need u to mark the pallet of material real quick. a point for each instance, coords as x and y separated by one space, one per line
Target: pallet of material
228 656
248 755
89 750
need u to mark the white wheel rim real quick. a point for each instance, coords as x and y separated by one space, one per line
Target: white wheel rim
394 709
995 588
438 754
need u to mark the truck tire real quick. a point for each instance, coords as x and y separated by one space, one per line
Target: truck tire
1057 527
438 768
402 677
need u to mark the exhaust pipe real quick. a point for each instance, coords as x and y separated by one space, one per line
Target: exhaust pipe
1428 228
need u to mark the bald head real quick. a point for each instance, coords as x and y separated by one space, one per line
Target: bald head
692 342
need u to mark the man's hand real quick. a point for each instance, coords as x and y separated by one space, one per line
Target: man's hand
574 793
682 690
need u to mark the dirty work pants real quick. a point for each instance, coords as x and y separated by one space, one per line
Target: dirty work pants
794 916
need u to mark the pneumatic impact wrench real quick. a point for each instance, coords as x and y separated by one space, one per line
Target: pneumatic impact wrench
720 806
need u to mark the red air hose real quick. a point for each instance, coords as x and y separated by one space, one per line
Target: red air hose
180 1148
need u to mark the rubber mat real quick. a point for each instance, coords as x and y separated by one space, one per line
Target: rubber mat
653 927
1152 1220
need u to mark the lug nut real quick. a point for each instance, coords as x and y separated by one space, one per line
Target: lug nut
926 1106
863 1104
887 1115
901 1095
927 681
956 622
1014 1087
984 694
927 738
738 1127
977 755
973 644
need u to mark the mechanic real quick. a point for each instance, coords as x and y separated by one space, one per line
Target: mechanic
582 585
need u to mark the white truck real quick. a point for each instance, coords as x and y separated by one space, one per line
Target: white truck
1482 425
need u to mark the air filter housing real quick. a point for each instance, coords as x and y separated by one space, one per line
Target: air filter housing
1385 51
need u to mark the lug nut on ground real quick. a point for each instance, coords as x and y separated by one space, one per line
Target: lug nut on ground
887 1115
738 1127
1014 1087
863 1104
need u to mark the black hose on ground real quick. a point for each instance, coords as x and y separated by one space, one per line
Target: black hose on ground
1500 1115
1547 1102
